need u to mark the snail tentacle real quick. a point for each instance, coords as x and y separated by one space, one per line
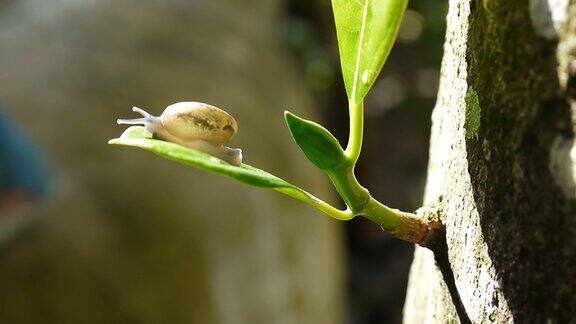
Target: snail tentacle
152 123
136 121
142 112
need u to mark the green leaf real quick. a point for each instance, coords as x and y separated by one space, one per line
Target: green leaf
366 31
137 136
319 145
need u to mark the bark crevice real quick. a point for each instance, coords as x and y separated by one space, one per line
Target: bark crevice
440 250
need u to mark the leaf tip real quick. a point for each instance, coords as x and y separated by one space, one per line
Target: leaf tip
291 118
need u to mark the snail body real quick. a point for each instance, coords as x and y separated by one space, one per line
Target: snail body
193 124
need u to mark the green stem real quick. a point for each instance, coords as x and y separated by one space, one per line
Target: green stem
406 226
356 111
352 192
317 203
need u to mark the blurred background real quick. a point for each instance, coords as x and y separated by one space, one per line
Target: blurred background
91 233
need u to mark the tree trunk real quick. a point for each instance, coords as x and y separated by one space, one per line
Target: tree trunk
500 169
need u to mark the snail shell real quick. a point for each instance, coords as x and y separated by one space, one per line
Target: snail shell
189 121
193 124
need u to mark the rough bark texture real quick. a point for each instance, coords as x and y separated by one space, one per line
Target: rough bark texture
129 237
510 222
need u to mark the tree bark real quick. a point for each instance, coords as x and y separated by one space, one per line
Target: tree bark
500 169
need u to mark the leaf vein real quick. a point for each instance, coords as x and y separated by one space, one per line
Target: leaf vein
360 49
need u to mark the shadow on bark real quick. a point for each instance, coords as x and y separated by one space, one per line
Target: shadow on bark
527 222
440 249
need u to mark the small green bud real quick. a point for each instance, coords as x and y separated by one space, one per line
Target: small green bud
317 143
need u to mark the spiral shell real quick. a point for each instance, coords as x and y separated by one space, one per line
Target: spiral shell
193 124
188 121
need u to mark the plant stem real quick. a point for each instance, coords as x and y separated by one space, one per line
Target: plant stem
406 226
356 112
317 203
352 192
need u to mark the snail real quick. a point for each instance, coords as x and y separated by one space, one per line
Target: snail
193 124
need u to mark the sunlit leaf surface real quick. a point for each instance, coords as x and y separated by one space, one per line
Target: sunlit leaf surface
319 145
137 136
366 31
